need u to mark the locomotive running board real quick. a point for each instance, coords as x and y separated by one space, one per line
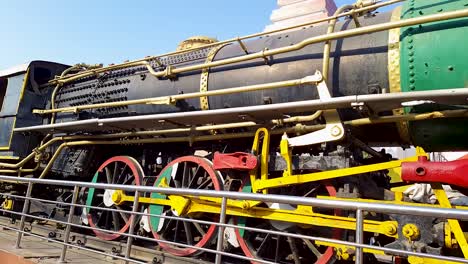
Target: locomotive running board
376 102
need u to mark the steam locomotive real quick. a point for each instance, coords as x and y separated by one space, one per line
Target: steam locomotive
246 114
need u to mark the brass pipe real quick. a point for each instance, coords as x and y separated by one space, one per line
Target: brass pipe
57 88
331 29
190 139
408 117
18 165
174 98
30 156
144 61
298 128
322 38
52 159
21 170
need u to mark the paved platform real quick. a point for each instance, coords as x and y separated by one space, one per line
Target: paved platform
35 250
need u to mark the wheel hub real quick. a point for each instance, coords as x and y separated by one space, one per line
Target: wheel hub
108 197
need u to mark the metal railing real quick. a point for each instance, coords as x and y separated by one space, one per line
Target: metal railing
360 208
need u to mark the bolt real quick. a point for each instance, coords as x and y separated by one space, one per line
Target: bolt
410 231
336 131
390 229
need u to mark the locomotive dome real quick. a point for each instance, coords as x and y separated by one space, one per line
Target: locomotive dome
194 42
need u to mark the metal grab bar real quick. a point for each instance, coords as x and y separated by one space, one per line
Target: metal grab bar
266 53
144 61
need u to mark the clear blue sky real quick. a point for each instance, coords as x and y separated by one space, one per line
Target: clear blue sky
106 31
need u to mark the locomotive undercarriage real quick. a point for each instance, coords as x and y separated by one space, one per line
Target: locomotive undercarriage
331 171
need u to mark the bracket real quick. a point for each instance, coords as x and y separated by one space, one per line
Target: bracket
333 130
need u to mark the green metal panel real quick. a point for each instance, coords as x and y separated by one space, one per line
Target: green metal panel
435 56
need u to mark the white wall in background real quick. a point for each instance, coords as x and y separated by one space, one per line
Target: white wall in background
294 12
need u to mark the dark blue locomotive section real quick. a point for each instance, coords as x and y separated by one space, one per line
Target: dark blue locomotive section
21 90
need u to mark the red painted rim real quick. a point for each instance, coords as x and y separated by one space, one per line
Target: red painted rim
211 230
326 256
138 173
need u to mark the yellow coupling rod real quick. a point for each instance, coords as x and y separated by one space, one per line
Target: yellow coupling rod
187 205
326 175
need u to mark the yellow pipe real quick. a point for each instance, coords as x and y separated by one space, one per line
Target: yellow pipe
145 63
327 47
298 128
173 98
30 156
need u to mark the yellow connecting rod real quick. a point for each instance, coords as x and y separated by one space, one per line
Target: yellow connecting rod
187 205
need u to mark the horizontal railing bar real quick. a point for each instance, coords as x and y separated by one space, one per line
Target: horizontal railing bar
139 237
283 199
68 244
327 240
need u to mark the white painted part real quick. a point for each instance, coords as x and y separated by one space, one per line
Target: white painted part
107 197
398 152
201 153
84 216
455 155
296 21
15 69
174 170
159 160
417 102
306 7
282 3
278 224
294 12
230 235
144 222
319 136
423 193
161 222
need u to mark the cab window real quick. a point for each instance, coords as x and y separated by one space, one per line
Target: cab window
10 93
3 87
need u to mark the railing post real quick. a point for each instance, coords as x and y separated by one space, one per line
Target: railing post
222 220
23 215
68 228
131 230
359 235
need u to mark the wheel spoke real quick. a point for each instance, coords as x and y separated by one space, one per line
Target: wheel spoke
261 247
293 248
130 179
204 184
121 173
116 220
108 223
312 248
116 170
122 214
108 175
188 233
184 175
100 217
277 248
114 175
167 227
192 172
